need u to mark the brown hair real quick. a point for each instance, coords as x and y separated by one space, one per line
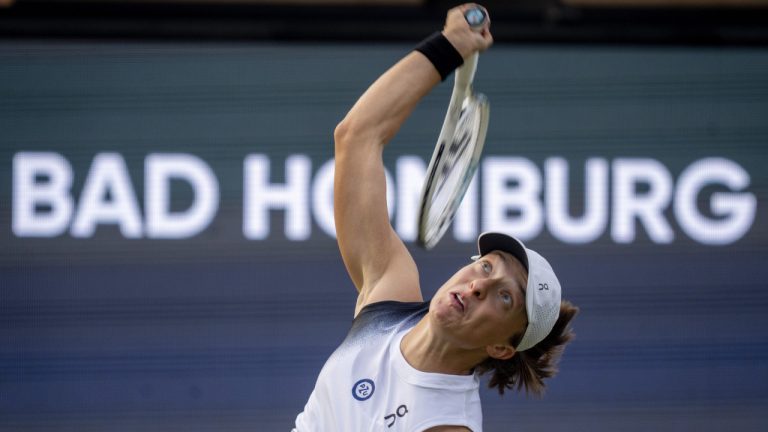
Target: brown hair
528 369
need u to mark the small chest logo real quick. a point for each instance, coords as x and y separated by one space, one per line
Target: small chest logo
363 389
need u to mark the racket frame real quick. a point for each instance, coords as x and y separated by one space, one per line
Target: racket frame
462 95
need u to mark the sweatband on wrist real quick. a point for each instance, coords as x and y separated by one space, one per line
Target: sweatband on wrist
441 53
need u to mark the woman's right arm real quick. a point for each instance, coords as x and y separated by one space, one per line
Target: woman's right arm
378 262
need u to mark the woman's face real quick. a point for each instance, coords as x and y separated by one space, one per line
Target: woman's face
483 303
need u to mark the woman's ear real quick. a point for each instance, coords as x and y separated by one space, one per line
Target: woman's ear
500 351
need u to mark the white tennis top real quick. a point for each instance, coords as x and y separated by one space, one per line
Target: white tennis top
367 385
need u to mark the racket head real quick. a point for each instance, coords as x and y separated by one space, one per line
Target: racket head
453 165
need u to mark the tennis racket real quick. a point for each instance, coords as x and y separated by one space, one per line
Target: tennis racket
457 153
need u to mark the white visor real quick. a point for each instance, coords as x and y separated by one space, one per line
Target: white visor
543 292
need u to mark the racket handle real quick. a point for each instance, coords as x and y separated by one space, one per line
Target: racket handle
476 18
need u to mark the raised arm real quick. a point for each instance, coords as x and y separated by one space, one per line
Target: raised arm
377 260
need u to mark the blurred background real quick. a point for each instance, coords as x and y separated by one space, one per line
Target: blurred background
167 253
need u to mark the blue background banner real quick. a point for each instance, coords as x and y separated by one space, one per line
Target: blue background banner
638 171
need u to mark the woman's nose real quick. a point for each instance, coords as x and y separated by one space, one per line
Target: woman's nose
480 288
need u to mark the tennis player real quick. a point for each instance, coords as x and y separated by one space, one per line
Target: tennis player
409 365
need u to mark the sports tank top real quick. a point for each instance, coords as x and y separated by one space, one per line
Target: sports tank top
367 385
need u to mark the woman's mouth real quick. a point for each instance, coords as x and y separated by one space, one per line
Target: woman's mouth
458 301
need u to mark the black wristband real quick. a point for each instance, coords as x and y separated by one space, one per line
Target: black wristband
441 53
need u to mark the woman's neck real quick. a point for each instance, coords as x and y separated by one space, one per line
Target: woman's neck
425 351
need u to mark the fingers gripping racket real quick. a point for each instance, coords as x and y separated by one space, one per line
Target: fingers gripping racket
457 153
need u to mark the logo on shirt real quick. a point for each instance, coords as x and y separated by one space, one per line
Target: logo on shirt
363 389
401 411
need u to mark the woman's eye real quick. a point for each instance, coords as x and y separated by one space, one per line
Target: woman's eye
486 266
506 298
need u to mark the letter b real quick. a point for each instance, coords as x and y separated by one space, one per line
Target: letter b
29 194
